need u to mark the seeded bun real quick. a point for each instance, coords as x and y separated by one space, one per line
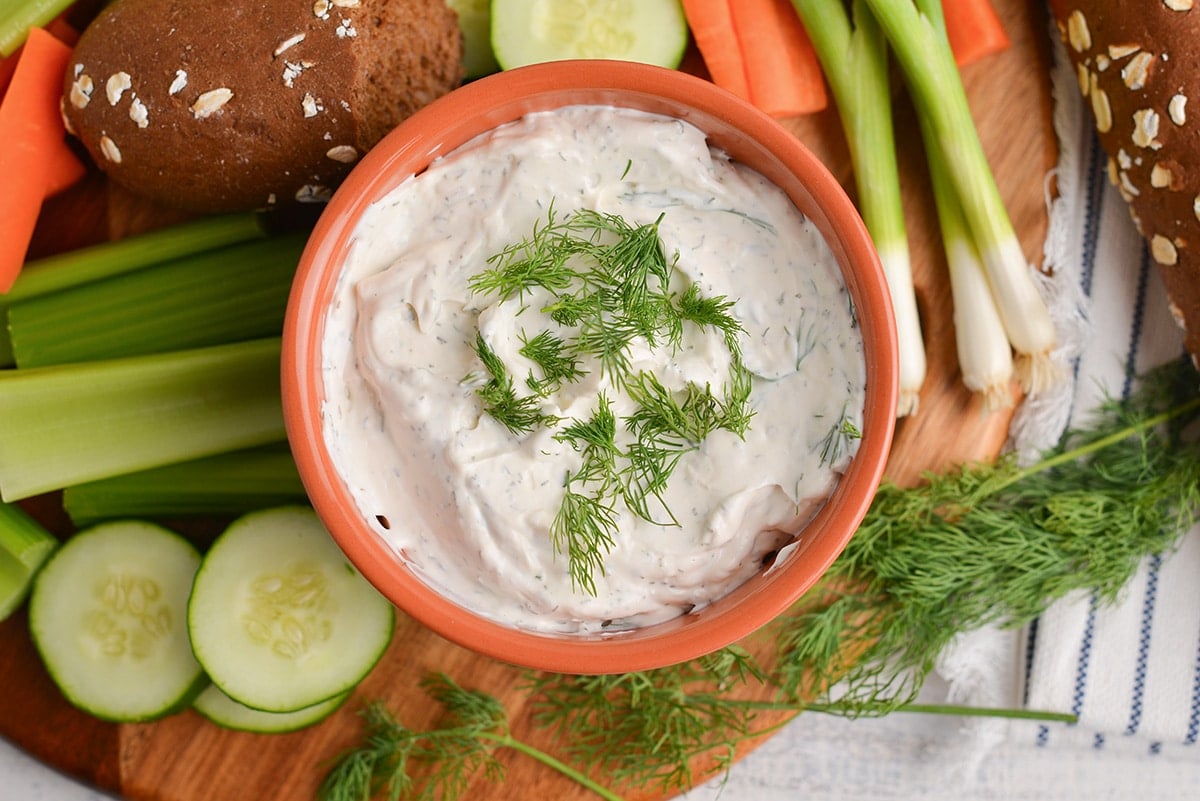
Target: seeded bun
214 107
1136 63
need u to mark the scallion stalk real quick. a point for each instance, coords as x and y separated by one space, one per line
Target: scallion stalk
223 295
23 15
108 259
936 88
984 354
854 57
69 424
24 547
225 484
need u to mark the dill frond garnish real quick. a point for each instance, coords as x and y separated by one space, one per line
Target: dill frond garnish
519 414
838 440
608 289
558 367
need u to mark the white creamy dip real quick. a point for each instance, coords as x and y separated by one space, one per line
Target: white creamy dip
469 505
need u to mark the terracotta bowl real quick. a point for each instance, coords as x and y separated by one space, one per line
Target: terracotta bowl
750 137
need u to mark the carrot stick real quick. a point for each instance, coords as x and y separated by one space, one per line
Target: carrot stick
781 65
974 30
711 22
31 128
64 168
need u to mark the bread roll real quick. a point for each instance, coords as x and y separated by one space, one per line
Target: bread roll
213 107
1137 65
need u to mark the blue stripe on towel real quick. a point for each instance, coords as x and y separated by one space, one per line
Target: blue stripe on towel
1193 728
1085 658
1147 626
1143 651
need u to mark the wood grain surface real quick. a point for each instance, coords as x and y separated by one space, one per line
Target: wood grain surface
185 758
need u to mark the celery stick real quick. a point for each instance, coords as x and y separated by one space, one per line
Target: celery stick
69 424
16 21
854 59
224 295
97 262
226 484
24 546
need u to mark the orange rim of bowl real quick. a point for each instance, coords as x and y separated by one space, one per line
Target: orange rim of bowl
750 137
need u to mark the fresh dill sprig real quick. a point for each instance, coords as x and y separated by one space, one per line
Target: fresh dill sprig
645 729
440 763
609 287
584 523
549 353
520 414
995 543
838 440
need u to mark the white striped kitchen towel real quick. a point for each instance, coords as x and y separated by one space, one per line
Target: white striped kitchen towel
1130 670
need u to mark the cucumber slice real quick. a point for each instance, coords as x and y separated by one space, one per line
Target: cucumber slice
108 612
279 618
475 22
531 31
228 713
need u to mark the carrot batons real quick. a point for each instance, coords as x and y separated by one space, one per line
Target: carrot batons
759 50
35 158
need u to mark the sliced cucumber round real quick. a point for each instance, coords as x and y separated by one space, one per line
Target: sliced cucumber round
532 31
279 619
228 713
108 614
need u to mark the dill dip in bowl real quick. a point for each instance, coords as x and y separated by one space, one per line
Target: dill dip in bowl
590 367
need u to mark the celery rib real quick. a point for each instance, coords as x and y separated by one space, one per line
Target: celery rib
225 484
24 547
70 424
23 15
106 260
224 295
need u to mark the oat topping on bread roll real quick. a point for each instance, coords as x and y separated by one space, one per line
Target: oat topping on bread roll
1137 64
254 103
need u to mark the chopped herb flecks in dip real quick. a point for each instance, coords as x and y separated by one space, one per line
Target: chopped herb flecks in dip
585 373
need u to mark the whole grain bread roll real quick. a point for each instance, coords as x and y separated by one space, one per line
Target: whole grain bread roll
1137 65
213 107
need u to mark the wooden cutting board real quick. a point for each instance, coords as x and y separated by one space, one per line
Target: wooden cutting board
184 758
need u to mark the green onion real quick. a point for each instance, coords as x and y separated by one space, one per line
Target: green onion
935 85
69 424
984 354
24 547
855 62
225 484
19 18
97 262
224 295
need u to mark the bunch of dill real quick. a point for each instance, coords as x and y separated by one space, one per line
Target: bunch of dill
995 544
